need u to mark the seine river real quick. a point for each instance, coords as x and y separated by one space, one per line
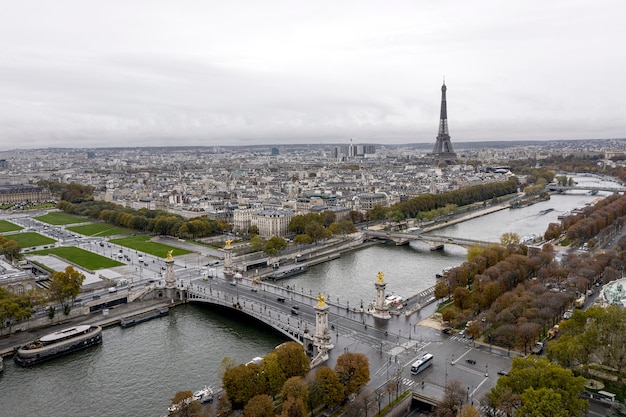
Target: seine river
138 370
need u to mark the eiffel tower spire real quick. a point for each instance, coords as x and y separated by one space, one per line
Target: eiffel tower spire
443 151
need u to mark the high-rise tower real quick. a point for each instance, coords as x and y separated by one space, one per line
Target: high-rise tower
443 151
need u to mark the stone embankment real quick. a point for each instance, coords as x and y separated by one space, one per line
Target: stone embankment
105 318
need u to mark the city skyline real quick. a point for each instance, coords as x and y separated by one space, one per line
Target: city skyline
77 74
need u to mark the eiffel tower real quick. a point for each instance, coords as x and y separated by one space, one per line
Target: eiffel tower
443 151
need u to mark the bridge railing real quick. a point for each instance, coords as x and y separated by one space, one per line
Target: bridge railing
293 331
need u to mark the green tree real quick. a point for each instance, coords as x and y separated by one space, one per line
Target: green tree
353 370
316 231
346 227
541 402
598 333
395 216
378 213
537 374
274 245
256 243
303 240
259 406
66 284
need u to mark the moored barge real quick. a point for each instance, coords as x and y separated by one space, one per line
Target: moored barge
58 344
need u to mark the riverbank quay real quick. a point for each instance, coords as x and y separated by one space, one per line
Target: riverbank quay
466 217
113 317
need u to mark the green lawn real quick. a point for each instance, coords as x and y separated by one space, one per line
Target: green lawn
6 226
58 218
88 260
100 229
143 244
29 239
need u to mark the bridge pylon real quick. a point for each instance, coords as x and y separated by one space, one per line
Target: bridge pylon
229 270
322 341
170 278
381 309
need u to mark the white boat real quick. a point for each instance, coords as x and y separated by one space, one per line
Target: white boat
205 395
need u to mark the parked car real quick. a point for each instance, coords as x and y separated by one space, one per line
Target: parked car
470 361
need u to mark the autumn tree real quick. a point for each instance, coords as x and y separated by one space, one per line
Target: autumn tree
259 406
316 231
292 359
184 406
353 370
509 238
462 298
66 284
469 410
13 308
10 249
243 382
453 399
293 407
273 373
441 289
296 388
326 387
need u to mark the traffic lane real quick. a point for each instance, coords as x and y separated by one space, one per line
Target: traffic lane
451 363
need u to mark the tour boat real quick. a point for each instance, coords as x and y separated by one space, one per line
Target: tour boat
57 344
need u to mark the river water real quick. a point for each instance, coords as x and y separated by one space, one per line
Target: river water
138 370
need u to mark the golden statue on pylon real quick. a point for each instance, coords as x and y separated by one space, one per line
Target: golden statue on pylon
228 242
380 276
321 300
169 255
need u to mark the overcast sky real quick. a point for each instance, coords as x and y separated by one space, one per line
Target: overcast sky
233 72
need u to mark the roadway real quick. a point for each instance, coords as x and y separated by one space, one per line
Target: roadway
391 345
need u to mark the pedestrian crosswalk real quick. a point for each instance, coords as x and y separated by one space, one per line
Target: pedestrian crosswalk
485 410
406 382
